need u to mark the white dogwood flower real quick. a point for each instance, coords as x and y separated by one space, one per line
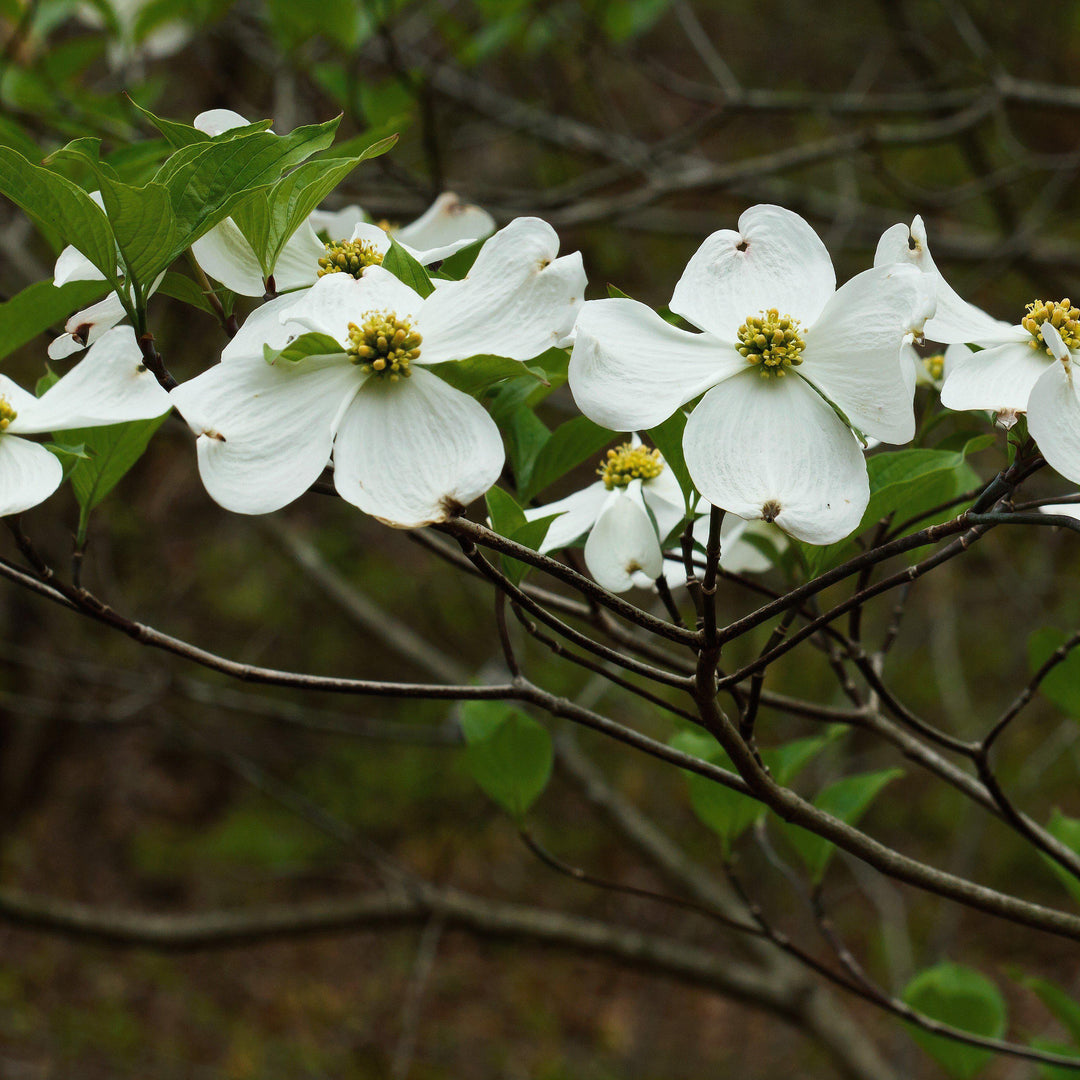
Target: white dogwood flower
407 447
781 353
1002 376
1053 408
353 240
627 515
108 386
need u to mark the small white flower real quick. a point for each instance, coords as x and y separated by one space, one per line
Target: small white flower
628 514
407 447
108 386
779 344
225 255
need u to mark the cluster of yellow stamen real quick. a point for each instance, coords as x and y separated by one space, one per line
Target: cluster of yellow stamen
626 463
349 257
772 342
7 413
935 366
1062 316
384 345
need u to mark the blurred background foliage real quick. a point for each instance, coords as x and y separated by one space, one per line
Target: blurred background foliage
636 127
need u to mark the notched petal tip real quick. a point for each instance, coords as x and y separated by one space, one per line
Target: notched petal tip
770 511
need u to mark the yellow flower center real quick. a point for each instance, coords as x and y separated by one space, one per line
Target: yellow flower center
7 413
349 257
384 345
626 463
1062 316
771 341
935 366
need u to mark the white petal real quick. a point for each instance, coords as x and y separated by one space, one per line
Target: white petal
226 256
336 300
622 542
577 515
737 554
374 235
297 265
73 265
631 369
1054 343
1054 419
664 499
415 452
215 121
337 224
268 428
517 300
446 226
1065 509
772 449
955 321
29 474
997 379
108 386
264 326
775 260
86 326
853 351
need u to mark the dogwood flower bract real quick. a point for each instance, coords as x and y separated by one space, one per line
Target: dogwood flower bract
407 447
108 386
780 353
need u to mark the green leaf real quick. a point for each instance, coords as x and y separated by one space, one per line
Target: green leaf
1067 830
509 754
40 306
207 180
302 347
847 799
186 290
908 483
1062 685
145 228
478 373
1056 1072
729 813
962 998
69 456
506 516
569 445
270 218
60 206
456 266
404 267
112 450
181 135
526 435
667 438
1064 1007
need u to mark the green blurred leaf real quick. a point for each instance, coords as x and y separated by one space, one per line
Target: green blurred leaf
730 813
405 268
1062 685
1064 1007
1067 830
569 445
847 799
509 754
962 998
40 306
